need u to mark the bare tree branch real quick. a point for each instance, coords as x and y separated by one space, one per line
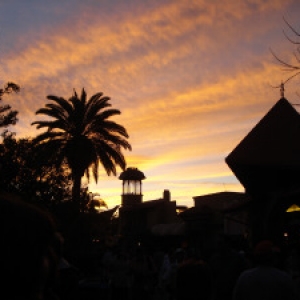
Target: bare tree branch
290 66
292 28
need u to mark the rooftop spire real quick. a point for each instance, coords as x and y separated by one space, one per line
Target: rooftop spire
282 90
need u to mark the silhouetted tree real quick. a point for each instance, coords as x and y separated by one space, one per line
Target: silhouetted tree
7 115
292 67
95 204
81 132
22 173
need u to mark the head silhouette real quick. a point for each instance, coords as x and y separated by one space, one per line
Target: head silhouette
266 253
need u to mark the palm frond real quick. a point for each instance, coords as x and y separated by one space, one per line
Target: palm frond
87 174
62 102
75 93
92 109
61 113
113 139
78 111
108 113
111 129
93 99
114 127
56 124
110 157
98 125
95 171
49 112
48 136
108 164
83 97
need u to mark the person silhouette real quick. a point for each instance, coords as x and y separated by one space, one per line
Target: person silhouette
194 278
28 259
265 281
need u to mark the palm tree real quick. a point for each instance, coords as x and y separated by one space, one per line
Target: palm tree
82 134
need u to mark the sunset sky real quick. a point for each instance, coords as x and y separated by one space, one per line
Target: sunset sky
191 78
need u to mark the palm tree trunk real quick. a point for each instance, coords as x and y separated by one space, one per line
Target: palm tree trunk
76 190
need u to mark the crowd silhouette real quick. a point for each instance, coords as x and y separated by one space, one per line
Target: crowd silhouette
186 274
34 266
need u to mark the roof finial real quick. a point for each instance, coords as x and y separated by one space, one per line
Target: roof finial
282 90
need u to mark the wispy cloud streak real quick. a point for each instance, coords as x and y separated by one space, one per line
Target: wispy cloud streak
190 77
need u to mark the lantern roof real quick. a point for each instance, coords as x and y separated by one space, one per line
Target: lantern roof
132 174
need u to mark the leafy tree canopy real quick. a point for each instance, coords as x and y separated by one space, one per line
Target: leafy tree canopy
21 172
7 115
